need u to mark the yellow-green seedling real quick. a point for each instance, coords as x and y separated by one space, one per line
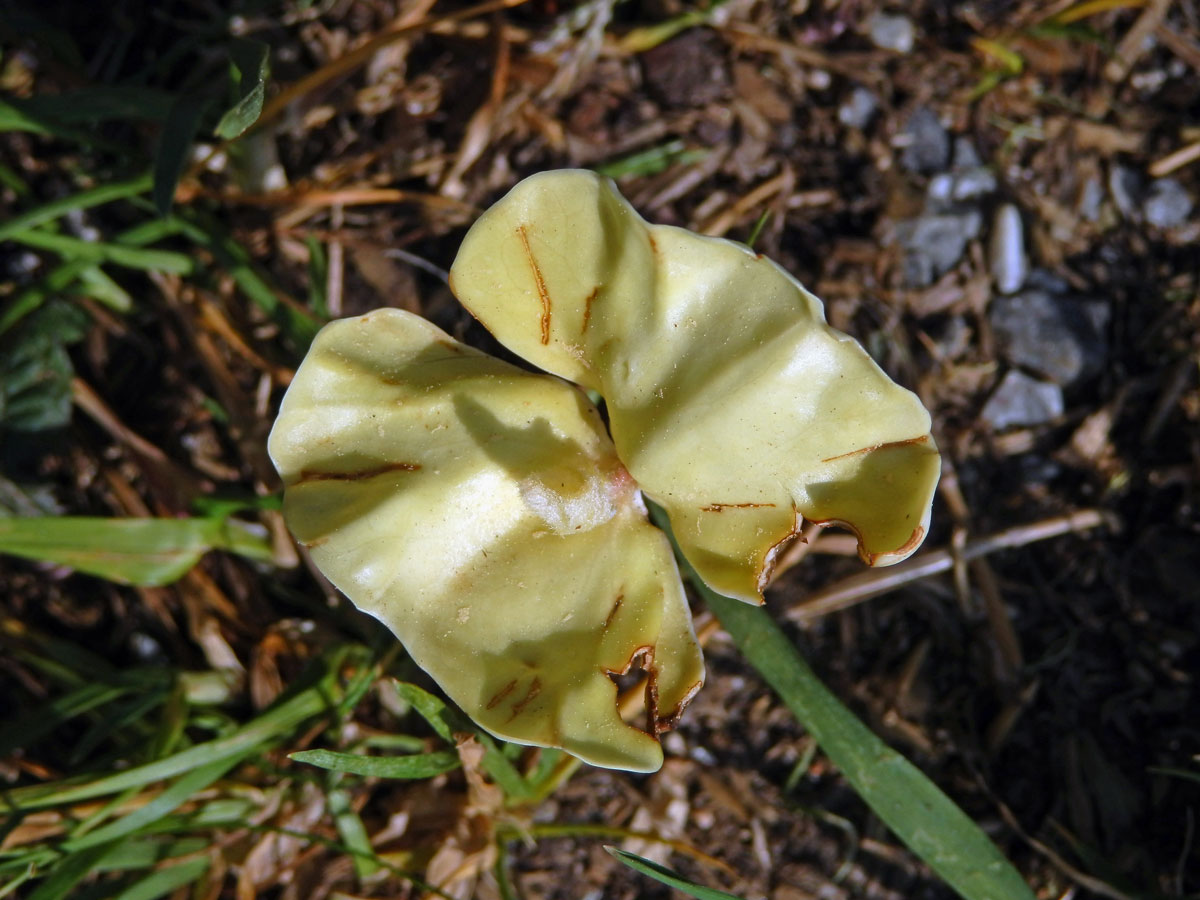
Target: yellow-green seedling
486 516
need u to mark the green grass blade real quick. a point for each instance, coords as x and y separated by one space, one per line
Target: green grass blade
174 146
14 116
277 722
99 103
652 161
7 890
68 872
25 730
932 826
147 852
149 552
428 707
353 833
669 877
95 283
71 248
166 802
445 722
47 212
423 765
299 326
164 881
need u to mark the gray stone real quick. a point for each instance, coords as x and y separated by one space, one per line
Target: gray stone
1021 400
1167 203
858 109
968 179
1006 250
934 244
1058 337
926 143
1090 199
965 154
1126 187
947 189
891 32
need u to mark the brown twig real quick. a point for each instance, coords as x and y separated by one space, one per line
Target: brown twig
863 586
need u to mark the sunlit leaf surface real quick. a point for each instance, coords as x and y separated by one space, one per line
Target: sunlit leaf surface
482 514
732 403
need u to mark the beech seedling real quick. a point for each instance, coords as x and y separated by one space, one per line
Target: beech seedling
491 521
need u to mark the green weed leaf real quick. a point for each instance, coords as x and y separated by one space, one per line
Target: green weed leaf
251 66
148 552
422 765
35 370
669 877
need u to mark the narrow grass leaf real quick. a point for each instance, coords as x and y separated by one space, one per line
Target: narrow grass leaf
353 833
428 707
107 193
251 66
7 890
95 283
175 145
15 116
100 103
163 803
424 765
924 818
652 161
502 771
72 248
148 552
164 881
30 299
299 326
69 871
28 728
669 877
144 853
316 697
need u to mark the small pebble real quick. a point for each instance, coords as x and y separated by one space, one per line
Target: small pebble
1060 338
1167 203
1006 250
1090 199
891 32
926 143
934 244
1021 401
965 154
858 109
1125 186
949 188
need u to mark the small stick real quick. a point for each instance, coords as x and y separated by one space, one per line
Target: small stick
861 587
1133 44
1177 160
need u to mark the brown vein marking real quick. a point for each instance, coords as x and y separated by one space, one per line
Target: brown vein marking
501 694
612 613
310 475
535 688
540 282
721 507
653 244
923 439
587 308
